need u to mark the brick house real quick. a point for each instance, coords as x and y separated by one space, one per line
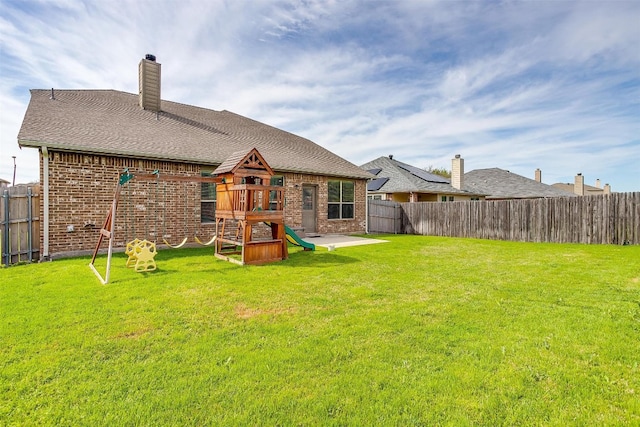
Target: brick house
86 138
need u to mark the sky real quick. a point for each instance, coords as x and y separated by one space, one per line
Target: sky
516 85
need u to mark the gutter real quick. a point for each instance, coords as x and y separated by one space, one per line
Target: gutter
32 143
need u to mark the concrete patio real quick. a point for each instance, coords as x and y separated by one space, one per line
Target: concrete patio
341 241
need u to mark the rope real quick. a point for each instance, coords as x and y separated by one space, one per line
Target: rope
132 206
155 222
184 209
164 215
146 214
164 209
130 232
199 220
126 216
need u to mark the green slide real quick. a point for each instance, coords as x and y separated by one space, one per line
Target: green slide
296 240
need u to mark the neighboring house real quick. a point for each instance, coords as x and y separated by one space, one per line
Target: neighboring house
4 183
405 183
579 188
500 184
401 182
87 137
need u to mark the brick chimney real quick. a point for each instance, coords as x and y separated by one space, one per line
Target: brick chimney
149 83
578 186
598 183
607 189
538 175
457 172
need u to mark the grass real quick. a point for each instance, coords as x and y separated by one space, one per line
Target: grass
418 331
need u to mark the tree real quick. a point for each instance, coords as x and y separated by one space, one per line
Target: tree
438 171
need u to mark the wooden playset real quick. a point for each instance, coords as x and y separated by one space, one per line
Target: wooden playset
246 200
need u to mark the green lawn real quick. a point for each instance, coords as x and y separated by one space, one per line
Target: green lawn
418 331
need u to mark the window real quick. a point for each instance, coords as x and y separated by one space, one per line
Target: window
451 198
444 198
276 180
207 200
341 199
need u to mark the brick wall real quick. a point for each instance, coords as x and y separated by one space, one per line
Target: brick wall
81 189
293 208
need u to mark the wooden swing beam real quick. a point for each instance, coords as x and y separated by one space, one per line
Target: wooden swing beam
108 228
173 178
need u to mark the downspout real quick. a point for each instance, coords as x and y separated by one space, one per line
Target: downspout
45 200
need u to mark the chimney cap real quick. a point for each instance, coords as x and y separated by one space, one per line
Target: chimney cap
457 156
579 173
150 57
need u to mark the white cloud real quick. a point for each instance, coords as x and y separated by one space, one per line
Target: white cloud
510 84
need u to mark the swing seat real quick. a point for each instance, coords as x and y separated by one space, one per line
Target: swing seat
209 243
178 246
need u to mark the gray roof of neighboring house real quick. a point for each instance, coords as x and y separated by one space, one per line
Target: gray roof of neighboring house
404 178
502 184
111 122
569 188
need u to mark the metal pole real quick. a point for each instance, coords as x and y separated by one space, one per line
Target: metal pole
14 171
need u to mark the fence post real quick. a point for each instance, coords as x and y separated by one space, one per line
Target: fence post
6 250
30 223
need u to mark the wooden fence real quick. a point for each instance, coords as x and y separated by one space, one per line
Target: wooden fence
385 217
608 219
19 225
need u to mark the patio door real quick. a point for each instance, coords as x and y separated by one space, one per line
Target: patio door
309 208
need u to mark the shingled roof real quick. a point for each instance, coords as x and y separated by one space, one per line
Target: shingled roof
404 178
501 184
569 188
112 123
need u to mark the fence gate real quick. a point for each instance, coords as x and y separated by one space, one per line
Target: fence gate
385 217
19 225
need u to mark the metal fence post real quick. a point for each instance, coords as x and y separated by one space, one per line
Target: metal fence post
6 250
